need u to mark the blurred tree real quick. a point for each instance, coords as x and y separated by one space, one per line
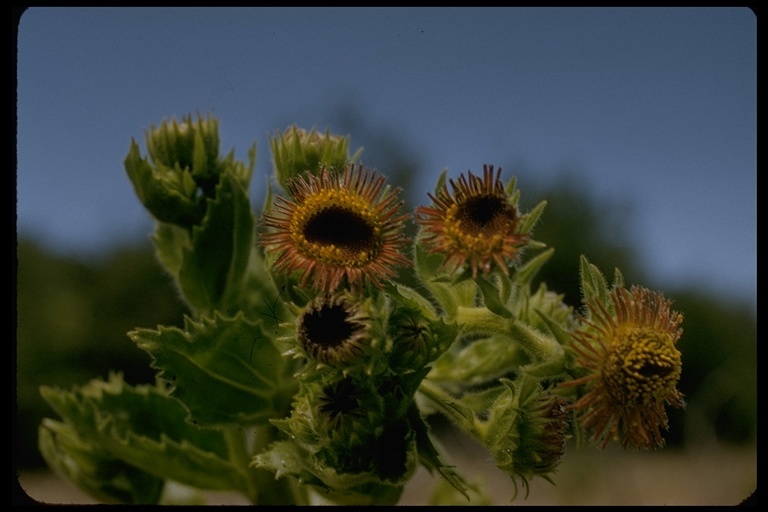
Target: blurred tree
719 379
576 222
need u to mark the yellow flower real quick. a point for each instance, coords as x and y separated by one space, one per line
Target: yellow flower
337 228
477 224
633 364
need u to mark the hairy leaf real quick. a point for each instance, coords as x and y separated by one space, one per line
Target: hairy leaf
213 267
111 428
226 370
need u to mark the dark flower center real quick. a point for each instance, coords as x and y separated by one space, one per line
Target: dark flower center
483 213
342 228
328 326
339 399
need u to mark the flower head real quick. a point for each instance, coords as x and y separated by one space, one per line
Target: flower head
476 224
333 330
627 346
337 228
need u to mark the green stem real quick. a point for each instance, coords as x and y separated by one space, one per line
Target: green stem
482 321
262 488
461 415
541 347
238 454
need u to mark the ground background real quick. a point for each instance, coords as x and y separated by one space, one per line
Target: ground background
707 475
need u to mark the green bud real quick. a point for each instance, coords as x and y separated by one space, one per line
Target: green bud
188 145
526 430
296 151
183 169
417 341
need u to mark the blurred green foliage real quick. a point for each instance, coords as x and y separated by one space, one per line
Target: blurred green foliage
72 320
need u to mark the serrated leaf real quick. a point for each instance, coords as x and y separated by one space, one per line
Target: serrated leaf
226 370
289 459
95 471
141 426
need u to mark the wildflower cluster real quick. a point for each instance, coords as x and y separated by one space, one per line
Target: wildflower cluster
321 340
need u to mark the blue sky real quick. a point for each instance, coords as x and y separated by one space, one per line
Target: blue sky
655 106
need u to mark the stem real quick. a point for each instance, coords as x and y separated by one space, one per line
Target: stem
482 321
262 487
448 405
238 454
542 348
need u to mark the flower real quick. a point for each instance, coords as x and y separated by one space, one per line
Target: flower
477 224
337 228
333 330
627 346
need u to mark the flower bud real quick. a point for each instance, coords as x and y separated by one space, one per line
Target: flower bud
296 151
184 171
526 430
189 145
417 341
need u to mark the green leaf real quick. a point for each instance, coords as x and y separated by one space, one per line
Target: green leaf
525 273
449 295
286 458
409 296
213 267
226 370
557 330
479 362
429 455
593 284
170 243
491 298
95 470
143 428
531 218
